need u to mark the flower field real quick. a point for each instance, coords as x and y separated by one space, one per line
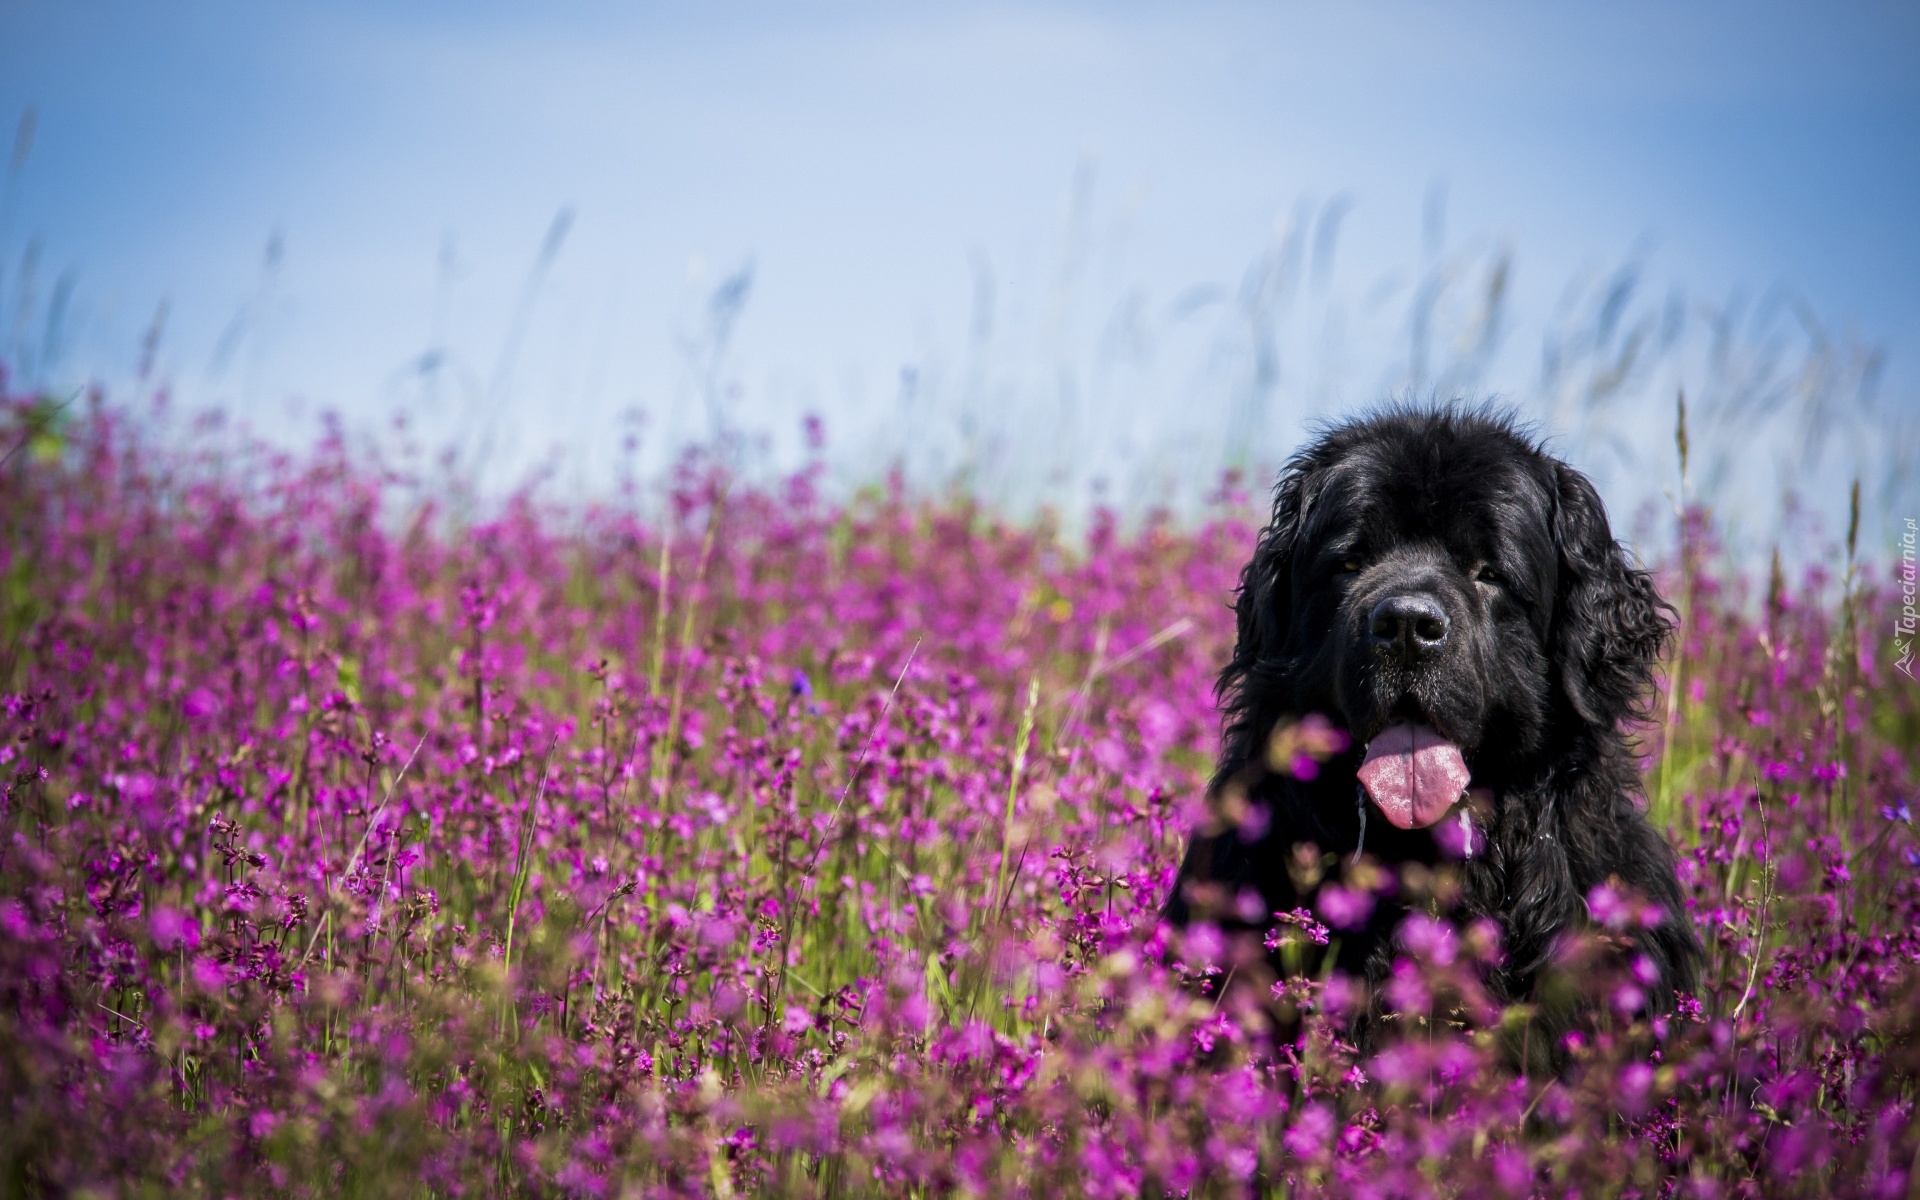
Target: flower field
785 846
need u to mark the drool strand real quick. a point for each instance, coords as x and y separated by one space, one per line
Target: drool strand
1360 797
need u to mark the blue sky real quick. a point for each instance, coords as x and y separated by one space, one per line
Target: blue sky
888 173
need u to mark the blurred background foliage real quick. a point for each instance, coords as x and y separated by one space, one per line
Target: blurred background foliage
1060 257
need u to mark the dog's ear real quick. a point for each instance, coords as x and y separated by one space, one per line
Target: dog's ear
1609 623
1249 686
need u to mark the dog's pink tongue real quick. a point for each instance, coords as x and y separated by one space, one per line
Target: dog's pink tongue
1413 774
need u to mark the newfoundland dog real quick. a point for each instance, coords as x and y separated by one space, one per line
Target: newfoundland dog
1450 595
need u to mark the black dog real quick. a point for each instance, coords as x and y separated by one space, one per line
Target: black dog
1450 594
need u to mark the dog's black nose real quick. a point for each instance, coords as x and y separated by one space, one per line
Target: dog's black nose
1409 626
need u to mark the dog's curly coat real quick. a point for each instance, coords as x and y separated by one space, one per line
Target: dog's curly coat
1433 571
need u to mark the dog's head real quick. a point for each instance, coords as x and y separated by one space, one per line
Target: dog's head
1451 593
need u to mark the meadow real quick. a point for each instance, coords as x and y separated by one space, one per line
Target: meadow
749 841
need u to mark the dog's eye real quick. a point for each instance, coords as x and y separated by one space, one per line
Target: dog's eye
1486 574
1351 565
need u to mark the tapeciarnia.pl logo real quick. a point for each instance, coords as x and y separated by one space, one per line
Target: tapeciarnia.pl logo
1904 623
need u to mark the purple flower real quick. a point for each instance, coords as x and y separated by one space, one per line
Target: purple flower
170 929
1343 907
1311 1137
1635 1081
1300 919
200 704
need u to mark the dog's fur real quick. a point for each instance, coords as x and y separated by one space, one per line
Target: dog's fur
1554 637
